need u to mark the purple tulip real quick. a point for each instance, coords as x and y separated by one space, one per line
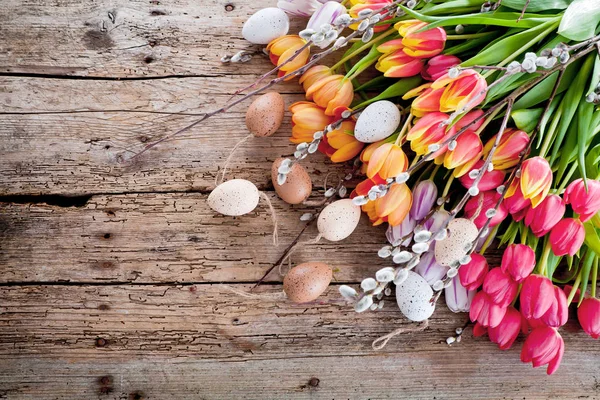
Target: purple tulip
438 220
424 197
458 299
394 234
301 8
429 269
325 15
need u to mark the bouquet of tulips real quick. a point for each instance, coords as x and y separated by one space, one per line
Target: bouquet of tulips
468 122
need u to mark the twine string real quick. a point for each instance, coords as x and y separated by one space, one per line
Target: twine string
380 343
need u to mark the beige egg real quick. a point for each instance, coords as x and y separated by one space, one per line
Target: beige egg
307 281
234 197
265 114
297 186
461 233
338 220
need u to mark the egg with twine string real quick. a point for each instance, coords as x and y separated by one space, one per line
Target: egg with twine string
414 298
234 197
338 220
266 25
265 114
307 281
297 186
378 121
462 233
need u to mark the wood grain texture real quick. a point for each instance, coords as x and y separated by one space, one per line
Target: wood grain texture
206 342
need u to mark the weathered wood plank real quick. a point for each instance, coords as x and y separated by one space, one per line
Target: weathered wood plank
173 341
137 38
86 153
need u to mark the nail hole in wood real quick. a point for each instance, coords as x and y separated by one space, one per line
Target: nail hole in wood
229 7
101 342
107 236
313 382
148 59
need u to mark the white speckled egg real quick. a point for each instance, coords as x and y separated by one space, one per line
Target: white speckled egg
378 121
461 232
266 25
234 197
413 297
338 220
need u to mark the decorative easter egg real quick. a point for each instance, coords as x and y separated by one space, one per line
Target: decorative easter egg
378 121
414 298
297 186
266 25
307 281
338 220
234 197
461 233
265 114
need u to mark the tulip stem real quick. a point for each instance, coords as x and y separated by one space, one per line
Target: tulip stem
467 36
404 129
447 187
567 177
435 171
489 240
594 277
524 234
544 259
574 289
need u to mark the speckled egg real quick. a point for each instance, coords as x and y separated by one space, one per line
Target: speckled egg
297 186
266 25
461 233
413 297
307 281
378 121
338 220
265 114
234 197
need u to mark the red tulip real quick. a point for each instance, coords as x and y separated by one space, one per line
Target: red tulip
516 203
438 66
398 64
537 295
586 203
489 180
472 274
545 216
544 345
465 91
425 44
500 287
518 261
535 180
484 311
508 152
588 315
479 330
428 130
467 152
489 200
567 237
427 100
505 334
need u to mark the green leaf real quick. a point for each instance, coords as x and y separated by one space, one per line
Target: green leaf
455 7
542 91
585 273
527 120
537 5
396 90
580 20
591 237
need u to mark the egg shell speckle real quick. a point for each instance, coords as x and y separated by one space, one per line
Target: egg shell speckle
413 297
265 114
266 25
461 232
307 281
338 220
378 121
234 197
297 186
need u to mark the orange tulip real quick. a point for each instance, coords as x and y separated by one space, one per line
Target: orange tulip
535 181
307 118
340 144
463 92
508 152
387 161
313 74
466 154
395 205
428 100
424 44
331 92
283 48
427 131
399 65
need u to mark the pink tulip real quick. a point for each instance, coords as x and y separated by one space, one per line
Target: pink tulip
424 44
535 181
428 130
505 334
465 155
545 216
471 120
537 295
518 261
438 66
489 200
500 287
558 313
588 315
484 311
516 203
463 92
507 154
489 180
586 203
567 237
473 274
458 298
544 345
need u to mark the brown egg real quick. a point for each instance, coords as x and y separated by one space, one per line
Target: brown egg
306 282
297 186
265 114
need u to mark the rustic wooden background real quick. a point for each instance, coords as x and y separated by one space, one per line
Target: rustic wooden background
111 271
